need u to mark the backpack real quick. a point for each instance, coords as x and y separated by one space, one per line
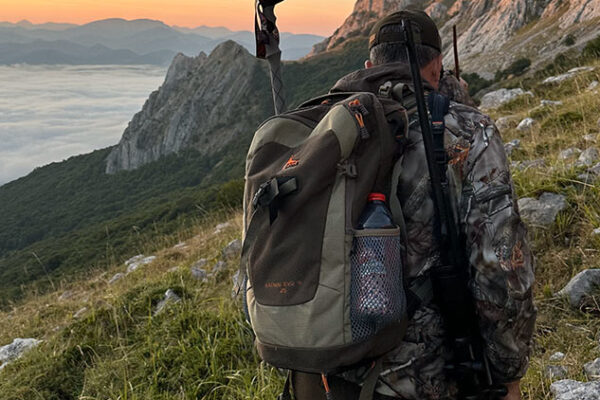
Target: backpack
308 176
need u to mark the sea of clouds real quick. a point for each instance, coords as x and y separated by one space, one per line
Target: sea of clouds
49 113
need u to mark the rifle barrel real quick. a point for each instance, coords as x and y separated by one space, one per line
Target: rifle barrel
455 41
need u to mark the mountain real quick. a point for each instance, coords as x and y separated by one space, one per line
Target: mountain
204 104
492 34
150 40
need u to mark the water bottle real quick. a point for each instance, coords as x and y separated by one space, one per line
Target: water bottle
373 302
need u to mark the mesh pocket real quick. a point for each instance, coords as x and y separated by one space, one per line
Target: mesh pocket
377 296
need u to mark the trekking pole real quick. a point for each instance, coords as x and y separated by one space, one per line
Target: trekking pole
267 47
455 41
470 367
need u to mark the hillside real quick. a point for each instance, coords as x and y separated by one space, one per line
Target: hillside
491 34
71 217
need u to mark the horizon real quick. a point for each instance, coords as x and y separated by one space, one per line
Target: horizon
147 19
236 15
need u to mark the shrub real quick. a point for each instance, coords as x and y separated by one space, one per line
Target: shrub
517 68
569 40
476 82
592 49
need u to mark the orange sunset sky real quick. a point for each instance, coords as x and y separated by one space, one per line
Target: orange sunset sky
298 16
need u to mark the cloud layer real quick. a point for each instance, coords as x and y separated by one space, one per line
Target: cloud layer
49 113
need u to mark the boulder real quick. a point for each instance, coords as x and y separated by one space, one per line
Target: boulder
504 123
593 85
233 249
170 298
526 124
219 266
221 227
551 103
116 277
588 157
568 389
134 259
198 273
592 369
67 294
511 146
498 97
542 211
569 153
581 286
567 75
558 356
16 349
590 138
138 263
554 372
80 313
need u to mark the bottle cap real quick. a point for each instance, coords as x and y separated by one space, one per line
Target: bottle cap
376 197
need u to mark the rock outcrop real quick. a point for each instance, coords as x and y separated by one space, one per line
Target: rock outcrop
583 285
204 103
488 30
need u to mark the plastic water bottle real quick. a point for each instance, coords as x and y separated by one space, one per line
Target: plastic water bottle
373 300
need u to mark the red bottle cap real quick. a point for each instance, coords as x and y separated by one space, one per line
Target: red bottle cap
376 197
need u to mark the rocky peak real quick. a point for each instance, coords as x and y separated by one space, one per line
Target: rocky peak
487 29
194 108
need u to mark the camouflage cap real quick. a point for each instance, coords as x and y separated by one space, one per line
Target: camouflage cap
425 30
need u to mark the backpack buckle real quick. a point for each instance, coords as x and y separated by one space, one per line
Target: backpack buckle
348 169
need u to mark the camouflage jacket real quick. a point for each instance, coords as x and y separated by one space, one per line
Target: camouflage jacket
496 244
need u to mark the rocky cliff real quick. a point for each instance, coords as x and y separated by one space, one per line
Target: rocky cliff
491 33
205 103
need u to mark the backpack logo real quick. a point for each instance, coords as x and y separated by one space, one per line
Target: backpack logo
292 162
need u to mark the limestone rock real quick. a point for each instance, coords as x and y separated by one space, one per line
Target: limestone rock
504 123
180 245
116 277
67 294
596 232
437 11
569 153
581 286
16 349
554 372
170 298
567 75
192 108
144 261
592 369
134 259
200 263
542 211
238 283
588 157
498 97
590 138
219 266
221 227
80 313
511 146
551 103
568 389
233 249
199 274
593 85
526 124
558 356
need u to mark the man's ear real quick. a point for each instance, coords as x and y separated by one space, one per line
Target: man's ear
368 64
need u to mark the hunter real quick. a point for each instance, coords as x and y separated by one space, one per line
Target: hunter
501 263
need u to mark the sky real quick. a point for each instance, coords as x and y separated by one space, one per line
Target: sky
319 17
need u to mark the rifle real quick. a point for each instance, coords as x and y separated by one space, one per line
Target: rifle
455 42
469 366
267 47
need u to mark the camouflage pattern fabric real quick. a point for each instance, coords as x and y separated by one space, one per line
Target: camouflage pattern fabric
454 90
501 262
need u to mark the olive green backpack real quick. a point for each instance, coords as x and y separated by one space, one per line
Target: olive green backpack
309 173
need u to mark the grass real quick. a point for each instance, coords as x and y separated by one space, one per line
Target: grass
201 347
